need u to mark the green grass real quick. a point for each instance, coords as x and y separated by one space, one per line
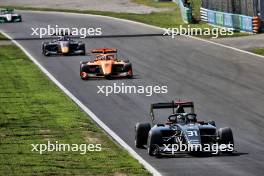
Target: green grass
33 111
153 3
259 51
196 5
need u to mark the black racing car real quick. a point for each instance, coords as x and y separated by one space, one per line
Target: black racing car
182 129
63 46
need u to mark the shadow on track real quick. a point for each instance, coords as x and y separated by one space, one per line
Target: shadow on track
92 37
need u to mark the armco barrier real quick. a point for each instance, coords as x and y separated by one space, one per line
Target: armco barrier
229 20
186 12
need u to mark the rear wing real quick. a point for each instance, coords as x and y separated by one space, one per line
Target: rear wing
174 105
104 50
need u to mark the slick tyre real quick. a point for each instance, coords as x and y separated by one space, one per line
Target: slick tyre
154 141
226 137
141 134
130 70
83 49
83 68
46 53
84 78
109 77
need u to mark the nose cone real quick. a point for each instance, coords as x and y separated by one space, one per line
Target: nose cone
64 46
64 50
107 67
9 17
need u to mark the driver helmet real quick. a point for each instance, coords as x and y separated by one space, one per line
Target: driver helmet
180 109
109 57
180 119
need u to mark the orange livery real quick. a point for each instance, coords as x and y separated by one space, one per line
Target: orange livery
105 64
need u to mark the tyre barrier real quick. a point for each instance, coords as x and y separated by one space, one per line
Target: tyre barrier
256 22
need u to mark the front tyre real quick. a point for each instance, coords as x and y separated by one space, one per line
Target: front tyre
129 70
154 141
83 73
225 136
46 53
141 134
82 47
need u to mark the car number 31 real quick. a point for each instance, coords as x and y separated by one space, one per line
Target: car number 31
192 133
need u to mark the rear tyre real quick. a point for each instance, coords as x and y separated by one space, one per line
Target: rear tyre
141 134
154 141
83 49
226 137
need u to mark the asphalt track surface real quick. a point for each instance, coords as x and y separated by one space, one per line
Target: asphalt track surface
226 85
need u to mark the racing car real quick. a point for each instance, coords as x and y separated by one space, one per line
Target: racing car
8 16
63 46
105 64
182 127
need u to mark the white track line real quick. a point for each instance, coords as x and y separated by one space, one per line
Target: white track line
88 111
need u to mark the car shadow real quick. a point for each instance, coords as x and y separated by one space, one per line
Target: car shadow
201 155
135 77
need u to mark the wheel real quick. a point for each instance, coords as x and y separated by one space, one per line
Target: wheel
154 141
44 51
141 134
84 52
129 70
130 74
83 49
83 77
20 19
109 77
82 72
226 137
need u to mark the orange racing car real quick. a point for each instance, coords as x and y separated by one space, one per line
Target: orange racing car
106 65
